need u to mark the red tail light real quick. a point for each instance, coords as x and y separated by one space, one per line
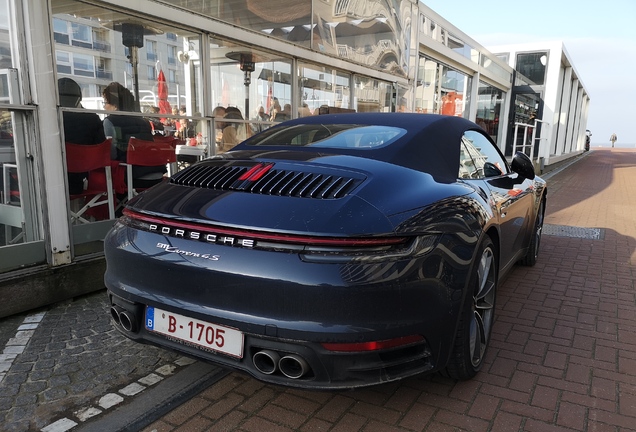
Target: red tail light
270 237
373 345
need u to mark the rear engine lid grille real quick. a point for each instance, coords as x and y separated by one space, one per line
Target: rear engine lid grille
267 179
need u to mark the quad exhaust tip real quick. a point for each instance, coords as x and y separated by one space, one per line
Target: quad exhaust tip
266 361
269 362
293 366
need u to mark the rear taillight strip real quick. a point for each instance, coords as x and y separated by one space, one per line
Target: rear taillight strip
272 237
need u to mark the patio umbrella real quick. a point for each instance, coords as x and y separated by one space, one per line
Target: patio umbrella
225 94
270 96
162 94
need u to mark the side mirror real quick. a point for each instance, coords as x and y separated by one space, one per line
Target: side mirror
522 165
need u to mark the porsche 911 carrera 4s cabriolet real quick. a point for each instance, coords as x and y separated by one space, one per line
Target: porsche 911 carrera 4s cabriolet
328 252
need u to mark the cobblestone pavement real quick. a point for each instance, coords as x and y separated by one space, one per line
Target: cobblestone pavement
59 362
562 357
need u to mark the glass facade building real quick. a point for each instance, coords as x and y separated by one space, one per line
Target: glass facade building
268 60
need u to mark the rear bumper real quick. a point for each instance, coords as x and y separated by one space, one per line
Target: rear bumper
271 359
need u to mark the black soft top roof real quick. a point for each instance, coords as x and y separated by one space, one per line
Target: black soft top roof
431 143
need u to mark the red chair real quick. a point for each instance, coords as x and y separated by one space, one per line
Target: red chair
171 141
144 153
84 159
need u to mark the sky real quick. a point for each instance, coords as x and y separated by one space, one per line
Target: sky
599 36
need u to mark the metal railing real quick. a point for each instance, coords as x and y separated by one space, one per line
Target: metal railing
529 138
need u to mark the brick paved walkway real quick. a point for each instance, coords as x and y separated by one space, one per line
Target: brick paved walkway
562 358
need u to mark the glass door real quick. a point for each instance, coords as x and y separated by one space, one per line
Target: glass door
20 239
527 108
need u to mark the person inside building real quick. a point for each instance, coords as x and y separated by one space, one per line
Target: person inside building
155 123
282 115
218 113
186 129
275 110
261 116
122 127
304 111
233 132
79 128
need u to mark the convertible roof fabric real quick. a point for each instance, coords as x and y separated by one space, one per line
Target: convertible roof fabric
431 144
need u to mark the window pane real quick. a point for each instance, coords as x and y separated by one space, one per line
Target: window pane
489 106
425 92
104 42
333 136
487 160
442 90
60 26
102 37
455 91
533 66
5 44
244 80
83 62
16 179
322 87
370 33
371 95
63 57
276 18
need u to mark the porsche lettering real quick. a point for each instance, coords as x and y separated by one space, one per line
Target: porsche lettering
197 235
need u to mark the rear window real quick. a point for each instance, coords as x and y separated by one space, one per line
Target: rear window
349 136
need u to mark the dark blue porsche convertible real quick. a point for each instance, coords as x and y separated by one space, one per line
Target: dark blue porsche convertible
332 251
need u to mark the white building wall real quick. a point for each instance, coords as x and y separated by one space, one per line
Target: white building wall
561 119
562 100
578 137
571 116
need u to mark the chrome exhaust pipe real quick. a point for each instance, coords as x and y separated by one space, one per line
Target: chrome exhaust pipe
115 311
266 361
128 320
293 366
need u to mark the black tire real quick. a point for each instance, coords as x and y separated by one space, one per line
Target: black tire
533 248
477 316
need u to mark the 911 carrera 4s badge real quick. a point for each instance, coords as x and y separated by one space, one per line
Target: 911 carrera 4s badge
173 249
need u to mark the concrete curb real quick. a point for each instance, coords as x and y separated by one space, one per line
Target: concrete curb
157 401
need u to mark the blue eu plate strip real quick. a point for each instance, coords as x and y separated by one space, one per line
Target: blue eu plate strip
150 318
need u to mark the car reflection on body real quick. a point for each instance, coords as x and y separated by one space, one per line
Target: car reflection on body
330 252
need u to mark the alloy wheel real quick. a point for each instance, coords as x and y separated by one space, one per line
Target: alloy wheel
483 307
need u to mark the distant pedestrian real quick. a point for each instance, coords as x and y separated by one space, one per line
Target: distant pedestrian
613 139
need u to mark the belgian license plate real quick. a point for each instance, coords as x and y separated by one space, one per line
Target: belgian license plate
192 331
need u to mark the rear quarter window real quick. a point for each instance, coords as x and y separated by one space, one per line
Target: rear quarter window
346 136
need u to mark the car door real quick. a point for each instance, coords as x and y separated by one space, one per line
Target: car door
511 196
